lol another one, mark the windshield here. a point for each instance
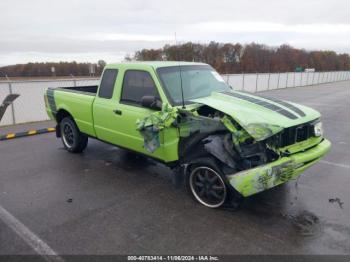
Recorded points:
(197, 81)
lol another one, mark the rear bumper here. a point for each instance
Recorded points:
(252, 181)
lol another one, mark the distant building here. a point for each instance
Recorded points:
(309, 70)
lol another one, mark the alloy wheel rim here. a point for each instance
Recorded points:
(208, 187)
(68, 135)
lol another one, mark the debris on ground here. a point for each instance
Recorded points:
(306, 223)
(336, 200)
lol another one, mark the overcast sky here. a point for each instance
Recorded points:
(87, 30)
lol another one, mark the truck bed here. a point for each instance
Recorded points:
(80, 100)
(84, 89)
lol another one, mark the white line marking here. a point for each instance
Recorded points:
(29, 237)
(334, 164)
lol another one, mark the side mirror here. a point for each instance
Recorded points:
(151, 102)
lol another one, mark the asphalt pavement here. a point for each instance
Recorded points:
(110, 201)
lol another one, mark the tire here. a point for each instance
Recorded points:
(231, 200)
(206, 183)
(73, 140)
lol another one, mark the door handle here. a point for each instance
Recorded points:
(117, 112)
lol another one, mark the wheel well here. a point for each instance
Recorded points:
(191, 147)
(62, 114)
(59, 117)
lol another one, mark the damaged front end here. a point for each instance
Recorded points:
(254, 156)
(252, 181)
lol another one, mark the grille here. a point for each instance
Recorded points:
(295, 134)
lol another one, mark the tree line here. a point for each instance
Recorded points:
(249, 58)
(224, 57)
(53, 69)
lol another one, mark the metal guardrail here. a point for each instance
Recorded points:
(267, 81)
(30, 106)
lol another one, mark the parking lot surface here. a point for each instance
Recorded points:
(110, 201)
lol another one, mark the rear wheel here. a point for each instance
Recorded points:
(73, 140)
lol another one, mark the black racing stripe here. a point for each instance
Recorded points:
(51, 100)
(263, 103)
(286, 104)
(281, 102)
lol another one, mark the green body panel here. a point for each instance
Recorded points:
(95, 116)
(49, 113)
(252, 181)
(79, 106)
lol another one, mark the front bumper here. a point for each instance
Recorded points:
(255, 180)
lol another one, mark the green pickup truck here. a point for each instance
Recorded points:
(223, 144)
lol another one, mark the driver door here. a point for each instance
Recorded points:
(136, 84)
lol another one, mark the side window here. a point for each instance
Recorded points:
(136, 85)
(107, 83)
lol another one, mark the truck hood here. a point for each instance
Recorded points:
(260, 116)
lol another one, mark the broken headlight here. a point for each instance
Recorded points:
(318, 129)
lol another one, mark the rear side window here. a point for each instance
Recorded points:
(136, 85)
(107, 83)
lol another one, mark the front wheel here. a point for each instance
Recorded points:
(206, 182)
(73, 140)
(207, 186)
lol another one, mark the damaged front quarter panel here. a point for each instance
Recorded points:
(187, 122)
(190, 122)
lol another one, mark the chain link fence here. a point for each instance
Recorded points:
(30, 106)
